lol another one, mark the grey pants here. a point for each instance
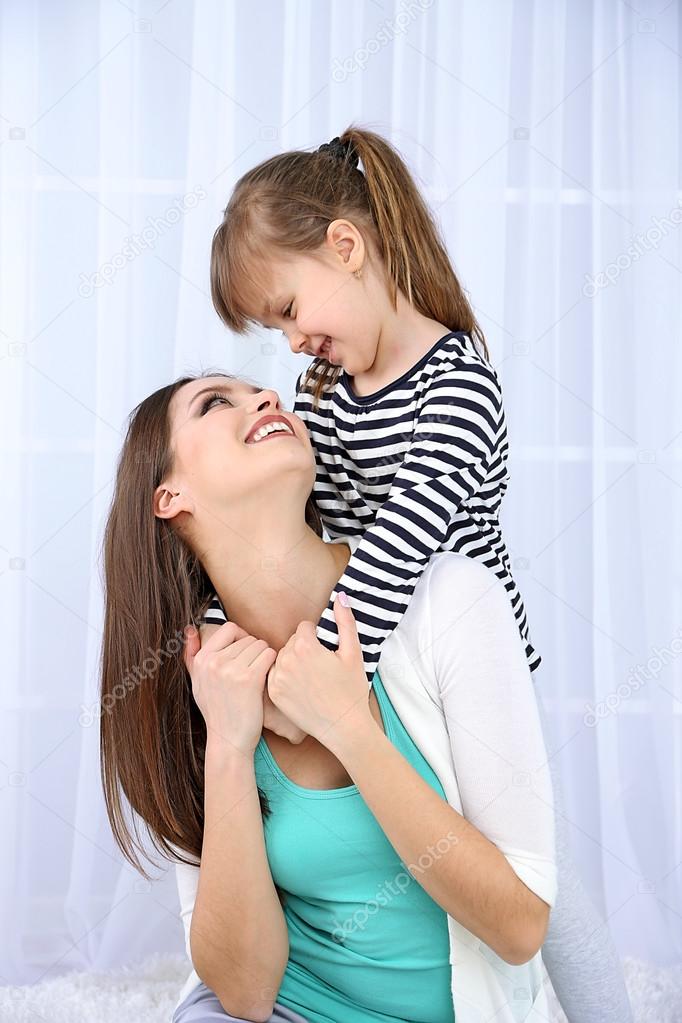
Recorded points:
(202, 1006)
(579, 953)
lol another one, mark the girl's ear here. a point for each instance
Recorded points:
(347, 242)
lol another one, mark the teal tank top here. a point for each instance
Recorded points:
(366, 941)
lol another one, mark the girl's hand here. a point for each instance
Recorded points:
(324, 692)
(228, 678)
(273, 718)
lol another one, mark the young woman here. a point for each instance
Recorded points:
(414, 777)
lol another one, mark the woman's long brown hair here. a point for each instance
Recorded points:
(152, 733)
(284, 206)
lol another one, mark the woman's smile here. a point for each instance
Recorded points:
(269, 426)
(269, 434)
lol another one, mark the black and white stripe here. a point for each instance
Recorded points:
(416, 467)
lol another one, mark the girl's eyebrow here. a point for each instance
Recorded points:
(220, 387)
(269, 306)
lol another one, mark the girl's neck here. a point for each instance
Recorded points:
(404, 339)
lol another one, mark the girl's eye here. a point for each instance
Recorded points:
(210, 398)
(287, 310)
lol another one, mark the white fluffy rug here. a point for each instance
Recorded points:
(147, 994)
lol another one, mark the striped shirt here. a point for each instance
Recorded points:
(418, 466)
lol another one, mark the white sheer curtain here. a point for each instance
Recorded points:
(547, 139)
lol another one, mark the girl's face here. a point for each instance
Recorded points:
(223, 463)
(322, 308)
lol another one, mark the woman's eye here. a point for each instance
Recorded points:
(208, 402)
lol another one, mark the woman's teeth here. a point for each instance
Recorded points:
(268, 429)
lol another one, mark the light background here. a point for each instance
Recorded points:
(546, 137)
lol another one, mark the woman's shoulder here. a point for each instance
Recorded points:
(458, 604)
(452, 579)
(467, 568)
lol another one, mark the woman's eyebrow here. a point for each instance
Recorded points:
(221, 387)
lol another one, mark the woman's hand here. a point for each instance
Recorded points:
(324, 692)
(228, 675)
(276, 721)
(273, 718)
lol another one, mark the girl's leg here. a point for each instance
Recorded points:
(579, 953)
(202, 1006)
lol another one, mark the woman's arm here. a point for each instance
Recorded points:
(471, 879)
(476, 662)
(238, 935)
(497, 874)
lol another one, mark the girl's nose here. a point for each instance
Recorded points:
(297, 342)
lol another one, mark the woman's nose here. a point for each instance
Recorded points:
(267, 397)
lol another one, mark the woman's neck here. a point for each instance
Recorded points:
(268, 590)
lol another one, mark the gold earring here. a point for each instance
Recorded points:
(357, 273)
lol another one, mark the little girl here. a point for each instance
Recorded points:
(406, 417)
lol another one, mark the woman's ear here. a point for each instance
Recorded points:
(169, 503)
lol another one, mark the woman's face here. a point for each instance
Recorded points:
(223, 460)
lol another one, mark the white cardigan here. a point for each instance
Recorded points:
(456, 673)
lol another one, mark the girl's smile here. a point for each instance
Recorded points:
(329, 352)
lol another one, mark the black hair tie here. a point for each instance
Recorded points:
(341, 151)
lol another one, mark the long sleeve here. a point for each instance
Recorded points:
(458, 444)
(187, 881)
(473, 651)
